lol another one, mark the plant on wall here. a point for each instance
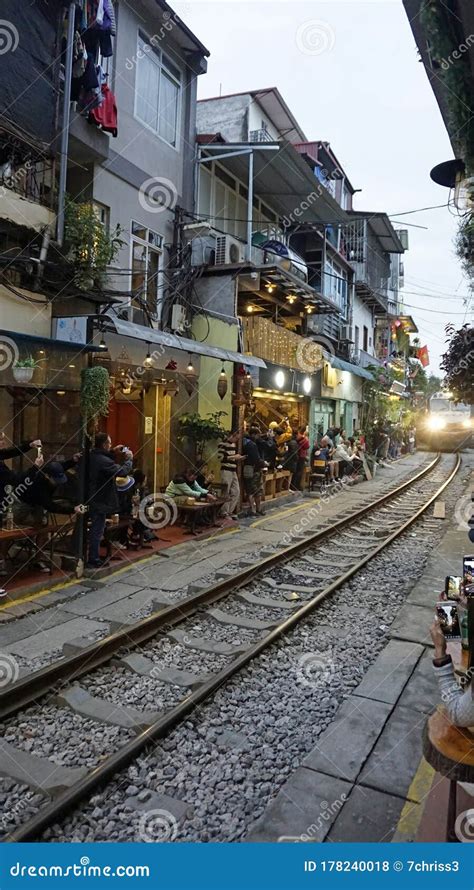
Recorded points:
(90, 247)
(95, 394)
(198, 431)
(465, 244)
(454, 71)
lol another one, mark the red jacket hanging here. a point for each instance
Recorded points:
(105, 115)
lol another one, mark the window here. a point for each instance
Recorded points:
(146, 258)
(356, 337)
(103, 214)
(157, 92)
(366, 339)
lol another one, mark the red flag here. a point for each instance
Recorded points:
(423, 355)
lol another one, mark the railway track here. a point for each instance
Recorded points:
(295, 580)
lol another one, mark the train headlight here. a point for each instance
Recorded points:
(436, 423)
(467, 423)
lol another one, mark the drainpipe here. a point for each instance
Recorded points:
(65, 124)
(248, 251)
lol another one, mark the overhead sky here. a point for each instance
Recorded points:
(349, 72)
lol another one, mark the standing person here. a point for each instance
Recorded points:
(291, 458)
(303, 448)
(252, 472)
(101, 490)
(227, 454)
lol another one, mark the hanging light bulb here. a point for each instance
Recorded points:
(249, 308)
(102, 344)
(147, 363)
(223, 372)
(190, 368)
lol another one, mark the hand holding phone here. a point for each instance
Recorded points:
(448, 618)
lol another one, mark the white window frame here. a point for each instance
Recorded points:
(157, 55)
(144, 242)
(228, 227)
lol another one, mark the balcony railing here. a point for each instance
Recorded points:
(261, 135)
(25, 173)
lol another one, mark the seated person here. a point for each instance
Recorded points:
(324, 451)
(140, 494)
(459, 704)
(185, 485)
(39, 493)
(204, 476)
(349, 463)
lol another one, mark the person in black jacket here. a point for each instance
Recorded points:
(8, 476)
(101, 491)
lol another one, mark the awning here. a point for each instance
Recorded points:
(172, 341)
(341, 365)
(283, 179)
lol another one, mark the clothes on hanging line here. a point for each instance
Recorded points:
(105, 115)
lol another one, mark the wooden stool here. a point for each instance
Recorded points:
(449, 750)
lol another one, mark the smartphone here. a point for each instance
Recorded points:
(447, 614)
(453, 587)
(468, 575)
(40, 451)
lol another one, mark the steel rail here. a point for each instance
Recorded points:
(28, 689)
(120, 759)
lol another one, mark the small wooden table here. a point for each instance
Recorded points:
(449, 750)
(29, 534)
(192, 511)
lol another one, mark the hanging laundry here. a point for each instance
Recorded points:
(105, 115)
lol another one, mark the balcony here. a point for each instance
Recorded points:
(261, 135)
(87, 144)
(27, 182)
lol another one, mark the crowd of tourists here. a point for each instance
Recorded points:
(107, 484)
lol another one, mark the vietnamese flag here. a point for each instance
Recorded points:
(423, 355)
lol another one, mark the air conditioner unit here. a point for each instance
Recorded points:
(345, 333)
(229, 250)
(178, 318)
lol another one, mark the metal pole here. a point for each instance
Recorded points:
(248, 251)
(65, 123)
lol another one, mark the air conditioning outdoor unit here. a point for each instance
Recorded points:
(345, 333)
(178, 318)
(229, 250)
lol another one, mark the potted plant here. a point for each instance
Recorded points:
(198, 431)
(23, 369)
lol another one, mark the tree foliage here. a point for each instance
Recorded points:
(458, 363)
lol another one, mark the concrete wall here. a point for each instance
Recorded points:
(229, 116)
(218, 294)
(363, 316)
